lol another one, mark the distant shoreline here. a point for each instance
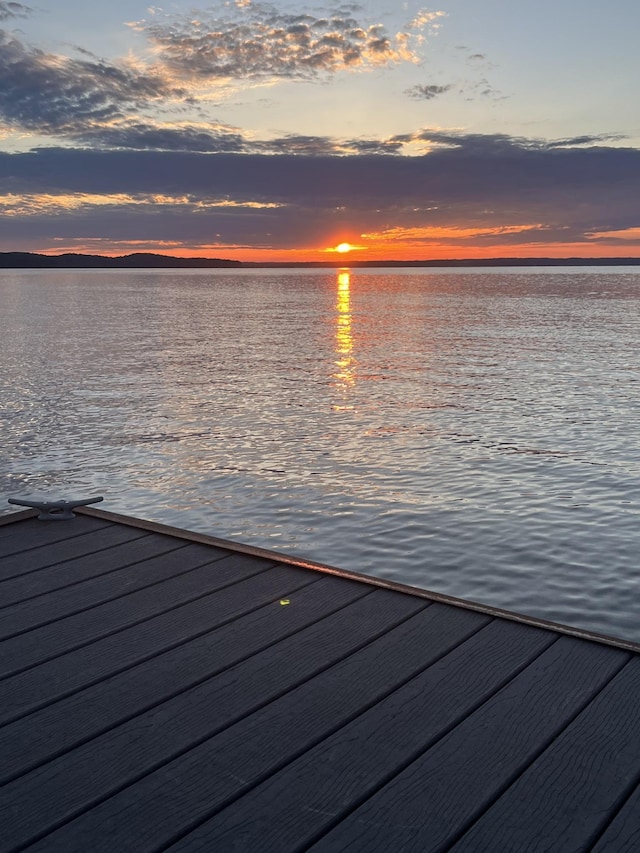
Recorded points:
(142, 260)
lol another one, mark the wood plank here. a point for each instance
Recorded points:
(10, 521)
(38, 803)
(155, 634)
(24, 535)
(63, 567)
(167, 803)
(111, 574)
(290, 809)
(12, 518)
(57, 728)
(623, 833)
(440, 794)
(163, 603)
(50, 556)
(563, 800)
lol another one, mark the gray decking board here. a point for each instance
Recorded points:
(588, 772)
(187, 790)
(35, 534)
(89, 712)
(293, 807)
(98, 559)
(622, 835)
(20, 567)
(72, 569)
(104, 765)
(442, 792)
(172, 702)
(117, 572)
(146, 638)
(182, 605)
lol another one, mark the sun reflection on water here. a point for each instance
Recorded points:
(345, 373)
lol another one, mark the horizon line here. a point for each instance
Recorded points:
(173, 261)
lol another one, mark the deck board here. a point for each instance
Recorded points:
(291, 808)
(141, 641)
(38, 534)
(120, 571)
(161, 690)
(437, 798)
(113, 548)
(119, 757)
(587, 772)
(622, 835)
(102, 706)
(190, 788)
(157, 617)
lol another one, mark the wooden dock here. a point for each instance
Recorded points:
(170, 691)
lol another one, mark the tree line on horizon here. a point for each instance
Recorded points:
(149, 260)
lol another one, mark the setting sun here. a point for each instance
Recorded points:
(343, 248)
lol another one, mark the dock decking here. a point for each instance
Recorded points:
(170, 691)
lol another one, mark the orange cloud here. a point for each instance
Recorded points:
(623, 234)
(420, 236)
(34, 204)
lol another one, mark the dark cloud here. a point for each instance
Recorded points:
(597, 139)
(255, 40)
(315, 146)
(147, 136)
(427, 92)
(13, 10)
(504, 187)
(46, 93)
(213, 138)
(459, 164)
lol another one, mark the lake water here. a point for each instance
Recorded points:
(474, 432)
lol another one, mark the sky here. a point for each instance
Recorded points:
(281, 131)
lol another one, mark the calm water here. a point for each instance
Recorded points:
(472, 432)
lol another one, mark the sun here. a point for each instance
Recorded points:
(343, 248)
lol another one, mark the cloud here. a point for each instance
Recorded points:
(94, 102)
(427, 92)
(85, 100)
(317, 146)
(34, 204)
(255, 41)
(632, 234)
(423, 236)
(153, 136)
(593, 139)
(484, 89)
(13, 10)
(425, 19)
(48, 93)
(215, 137)
(502, 190)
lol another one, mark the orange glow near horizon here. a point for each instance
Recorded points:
(394, 245)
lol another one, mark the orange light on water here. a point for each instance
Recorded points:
(345, 362)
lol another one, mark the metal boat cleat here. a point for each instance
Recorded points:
(55, 510)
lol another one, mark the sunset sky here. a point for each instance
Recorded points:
(277, 131)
